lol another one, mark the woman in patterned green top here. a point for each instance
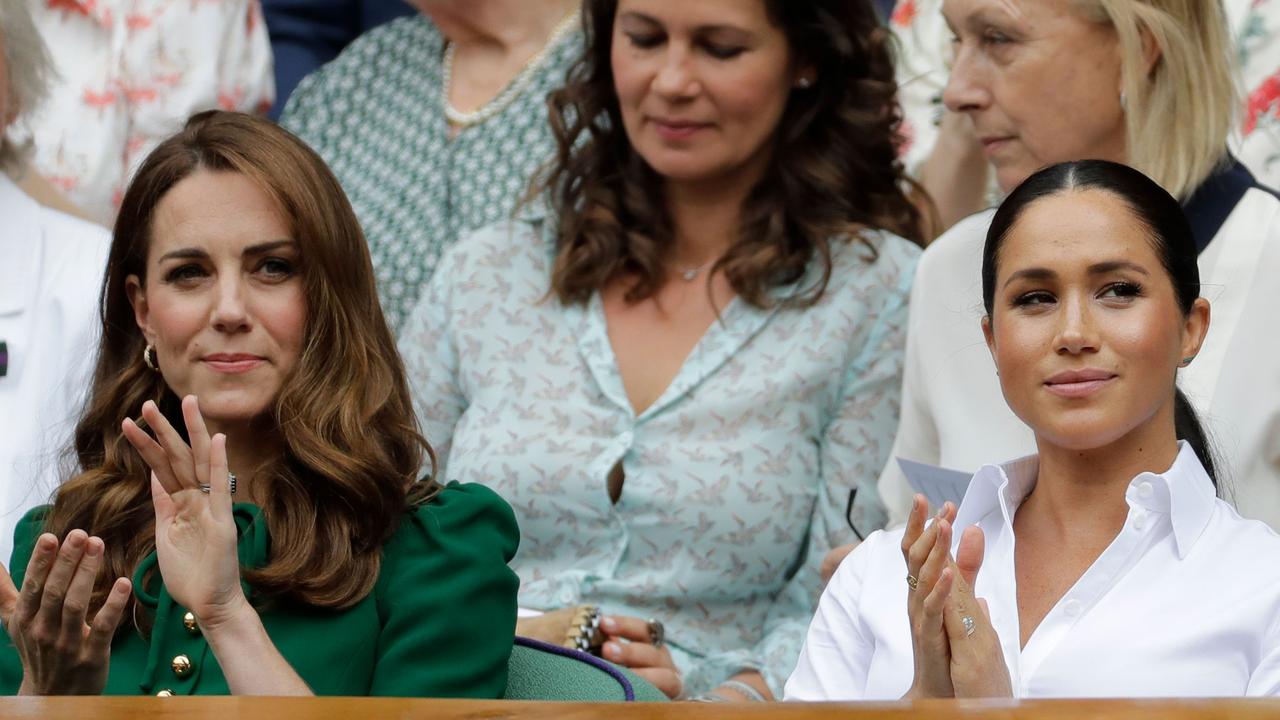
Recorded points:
(434, 125)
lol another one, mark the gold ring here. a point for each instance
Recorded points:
(912, 582)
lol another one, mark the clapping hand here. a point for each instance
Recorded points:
(977, 661)
(195, 531)
(956, 648)
(63, 650)
(927, 551)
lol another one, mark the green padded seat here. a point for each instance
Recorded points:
(539, 671)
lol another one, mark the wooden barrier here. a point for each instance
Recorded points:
(227, 708)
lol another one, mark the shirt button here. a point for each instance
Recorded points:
(189, 622)
(1071, 608)
(626, 438)
(165, 693)
(1145, 490)
(1139, 521)
(182, 666)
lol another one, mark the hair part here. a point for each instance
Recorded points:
(352, 447)
(1180, 114)
(835, 170)
(1168, 231)
(28, 72)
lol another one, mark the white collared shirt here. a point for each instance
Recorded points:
(1184, 602)
(51, 268)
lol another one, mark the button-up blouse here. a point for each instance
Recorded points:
(1184, 602)
(738, 478)
(438, 623)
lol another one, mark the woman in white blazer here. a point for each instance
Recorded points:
(51, 267)
(1143, 82)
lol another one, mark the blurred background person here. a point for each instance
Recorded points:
(680, 367)
(51, 267)
(306, 34)
(945, 155)
(128, 74)
(1143, 82)
(435, 124)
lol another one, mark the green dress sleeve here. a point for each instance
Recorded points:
(447, 599)
(24, 541)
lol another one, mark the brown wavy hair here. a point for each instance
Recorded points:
(835, 168)
(352, 445)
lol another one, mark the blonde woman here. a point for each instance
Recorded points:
(1146, 83)
(948, 160)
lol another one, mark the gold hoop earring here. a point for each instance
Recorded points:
(148, 357)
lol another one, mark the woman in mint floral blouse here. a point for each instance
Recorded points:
(682, 370)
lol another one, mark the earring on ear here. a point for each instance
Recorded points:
(1187, 360)
(804, 83)
(148, 357)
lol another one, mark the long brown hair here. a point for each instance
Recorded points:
(835, 167)
(352, 446)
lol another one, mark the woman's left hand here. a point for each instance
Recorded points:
(629, 644)
(195, 531)
(978, 669)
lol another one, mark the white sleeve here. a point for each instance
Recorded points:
(917, 436)
(837, 650)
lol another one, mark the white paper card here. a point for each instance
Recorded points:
(937, 484)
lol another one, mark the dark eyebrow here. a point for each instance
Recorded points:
(266, 247)
(1031, 274)
(197, 254)
(701, 29)
(1101, 268)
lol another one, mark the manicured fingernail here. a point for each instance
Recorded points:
(609, 624)
(46, 542)
(95, 547)
(75, 538)
(612, 650)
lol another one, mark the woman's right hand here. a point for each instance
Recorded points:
(928, 554)
(62, 652)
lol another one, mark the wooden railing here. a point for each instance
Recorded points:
(226, 708)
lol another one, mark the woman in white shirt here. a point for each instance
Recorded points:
(1022, 78)
(1106, 565)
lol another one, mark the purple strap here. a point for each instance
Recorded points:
(628, 692)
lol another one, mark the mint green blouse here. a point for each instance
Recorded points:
(439, 623)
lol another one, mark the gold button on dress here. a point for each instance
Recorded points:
(189, 622)
(182, 666)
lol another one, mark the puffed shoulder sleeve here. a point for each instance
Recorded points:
(24, 541)
(447, 599)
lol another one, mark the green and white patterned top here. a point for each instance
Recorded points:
(376, 116)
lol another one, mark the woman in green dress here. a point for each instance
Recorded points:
(241, 322)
